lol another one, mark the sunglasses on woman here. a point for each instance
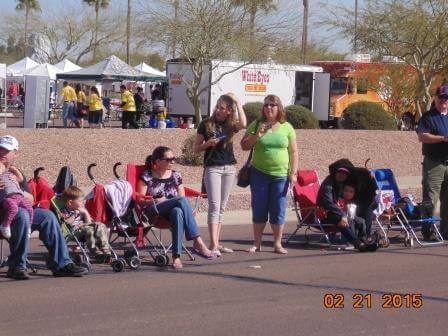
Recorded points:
(270, 105)
(170, 160)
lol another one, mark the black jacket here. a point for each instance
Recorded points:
(330, 191)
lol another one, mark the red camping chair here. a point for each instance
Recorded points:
(309, 215)
(133, 173)
(96, 205)
(41, 190)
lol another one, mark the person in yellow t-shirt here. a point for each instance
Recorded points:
(81, 104)
(129, 109)
(95, 109)
(68, 99)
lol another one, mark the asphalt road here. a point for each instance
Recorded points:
(229, 297)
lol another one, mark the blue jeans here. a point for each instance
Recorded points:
(269, 197)
(178, 211)
(50, 234)
(68, 110)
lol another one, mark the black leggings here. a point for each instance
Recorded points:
(128, 117)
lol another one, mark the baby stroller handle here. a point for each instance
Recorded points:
(89, 171)
(37, 172)
(115, 169)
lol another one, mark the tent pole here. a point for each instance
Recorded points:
(5, 110)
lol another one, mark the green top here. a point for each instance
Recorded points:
(271, 155)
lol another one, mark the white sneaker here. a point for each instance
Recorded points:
(5, 231)
(224, 249)
(216, 252)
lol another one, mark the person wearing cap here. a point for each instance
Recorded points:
(44, 221)
(330, 191)
(129, 109)
(432, 132)
(69, 100)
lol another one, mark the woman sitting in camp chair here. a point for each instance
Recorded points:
(162, 193)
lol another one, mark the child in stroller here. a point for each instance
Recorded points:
(348, 204)
(12, 197)
(94, 233)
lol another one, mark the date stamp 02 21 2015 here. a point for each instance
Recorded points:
(363, 301)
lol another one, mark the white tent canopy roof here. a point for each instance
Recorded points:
(45, 70)
(112, 68)
(19, 67)
(149, 69)
(67, 66)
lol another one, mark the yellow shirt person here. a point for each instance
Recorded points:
(81, 97)
(95, 102)
(127, 101)
(68, 94)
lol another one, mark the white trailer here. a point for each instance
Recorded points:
(295, 84)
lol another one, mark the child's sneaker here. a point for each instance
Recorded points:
(5, 231)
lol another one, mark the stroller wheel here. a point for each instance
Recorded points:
(118, 265)
(409, 242)
(384, 242)
(161, 260)
(134, 263)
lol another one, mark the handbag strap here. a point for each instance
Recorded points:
(249, 158)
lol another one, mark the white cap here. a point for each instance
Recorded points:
(8, 142)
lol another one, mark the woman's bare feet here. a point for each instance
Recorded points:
(177, 264)
(280, 250)
(253, 249)
(202, 250)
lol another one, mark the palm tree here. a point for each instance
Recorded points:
(128, 30)
(253, 7)
(28, 6)
(98, 4)
(305, 30)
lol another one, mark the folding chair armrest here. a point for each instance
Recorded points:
(194, 193)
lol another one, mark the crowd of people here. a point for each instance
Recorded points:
(274, 165)
(79, 104)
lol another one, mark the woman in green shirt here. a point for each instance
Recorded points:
(274, 166)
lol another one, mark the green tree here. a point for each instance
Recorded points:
(28, 6)
(253, 7)
(414, 31)
(98, 4)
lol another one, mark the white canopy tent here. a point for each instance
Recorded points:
(149, 69)
(18, 68)
(67, 66)
(44, 70)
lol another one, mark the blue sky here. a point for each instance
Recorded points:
(340, 45)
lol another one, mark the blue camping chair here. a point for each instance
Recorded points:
(399, 216)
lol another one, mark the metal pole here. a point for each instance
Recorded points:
(305, 30)
(355, 40)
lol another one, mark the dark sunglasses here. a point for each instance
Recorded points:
(270, 105)
(171, 160)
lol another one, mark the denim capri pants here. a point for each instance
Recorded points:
(269, 195)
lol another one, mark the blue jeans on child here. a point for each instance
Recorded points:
(269, 197)
(50, 234)
(180, 214)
